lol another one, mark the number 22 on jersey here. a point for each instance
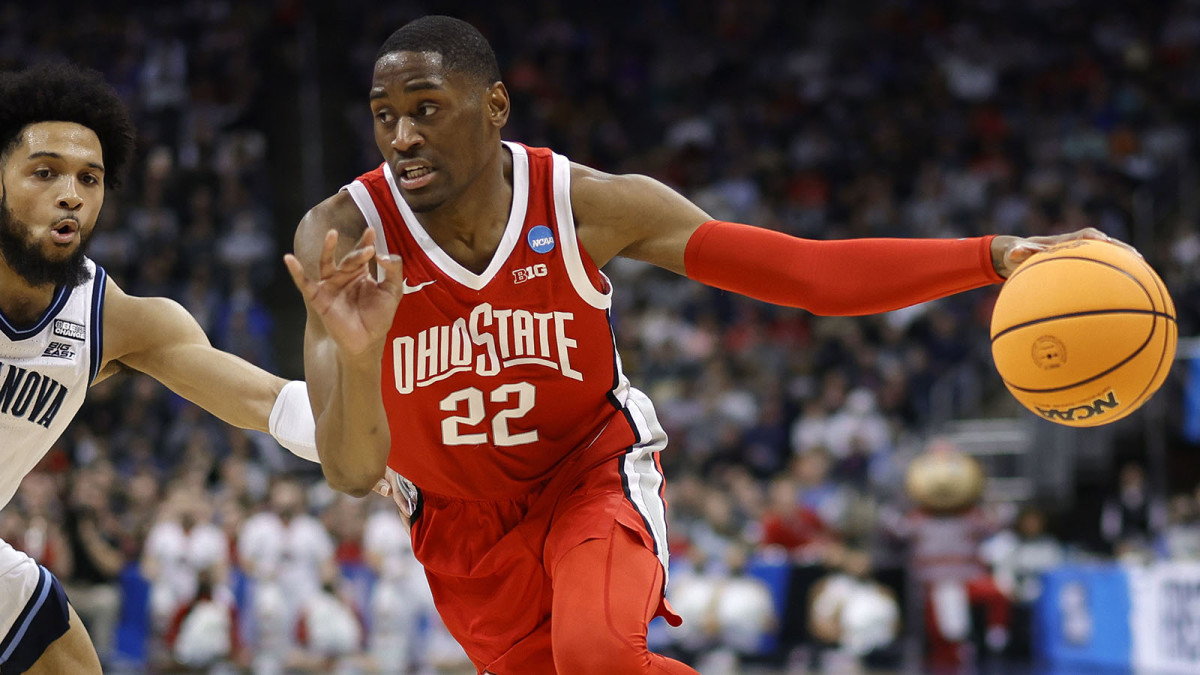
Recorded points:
(456, 429)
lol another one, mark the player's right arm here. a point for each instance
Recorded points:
(639, 217)
(349, 314)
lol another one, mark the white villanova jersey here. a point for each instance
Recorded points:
(45, 370)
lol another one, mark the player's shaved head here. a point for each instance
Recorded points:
(462, 46)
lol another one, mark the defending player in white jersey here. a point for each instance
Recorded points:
(65, 136)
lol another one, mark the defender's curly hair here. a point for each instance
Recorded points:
(59, 92)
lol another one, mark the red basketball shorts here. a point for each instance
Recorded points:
(490, 564)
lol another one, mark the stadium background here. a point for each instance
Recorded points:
(822, 119)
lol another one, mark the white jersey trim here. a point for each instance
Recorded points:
(96, 348)
(366, 205)
(61, 295)
(570, 242)
(642, 479)
(512, 230)
(31, 608)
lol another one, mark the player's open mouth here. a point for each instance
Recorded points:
(64, 231)
(414, 177)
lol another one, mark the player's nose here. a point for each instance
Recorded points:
(69, 198)
(407, 137)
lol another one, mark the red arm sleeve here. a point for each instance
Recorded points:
(840, 277)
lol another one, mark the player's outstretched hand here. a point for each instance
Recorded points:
(357, 309)
(1009, 252)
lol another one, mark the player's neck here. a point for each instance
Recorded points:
(21, 303)
(470, 227)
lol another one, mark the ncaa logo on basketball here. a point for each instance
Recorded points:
(541, 239)
(1081, 412)
(1049, 352)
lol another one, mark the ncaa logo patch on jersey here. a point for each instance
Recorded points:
(541, 239)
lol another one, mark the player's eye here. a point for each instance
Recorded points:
(43, 173)
(384, 117)
(89, 179)
(426, 109)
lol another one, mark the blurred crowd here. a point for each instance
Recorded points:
(186, 544)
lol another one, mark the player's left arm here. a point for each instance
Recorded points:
(638, 217)
(158, 337)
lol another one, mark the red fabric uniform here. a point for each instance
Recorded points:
(508, 408)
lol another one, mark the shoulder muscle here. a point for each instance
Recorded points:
(337, 212)
(632, 215)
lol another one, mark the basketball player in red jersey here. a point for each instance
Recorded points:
(458, 333)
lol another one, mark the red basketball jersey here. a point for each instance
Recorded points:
(492, 380)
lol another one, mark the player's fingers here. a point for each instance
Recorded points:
(367, 239)
(1093, 233)
(393, 274)
(364, 250)
(1085, 233)
(331, 283)
(328, 248)
(1021, 252)
(296, 270)
(383, 487)
(356, 258)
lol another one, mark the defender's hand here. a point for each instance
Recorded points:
(357, 310)
(403, 492)
(1009, 252)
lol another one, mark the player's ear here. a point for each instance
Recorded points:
(498, 104)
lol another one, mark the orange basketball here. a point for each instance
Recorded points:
(1083, 333)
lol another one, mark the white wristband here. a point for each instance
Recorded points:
(292, 424)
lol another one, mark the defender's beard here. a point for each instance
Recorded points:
(27, 260)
